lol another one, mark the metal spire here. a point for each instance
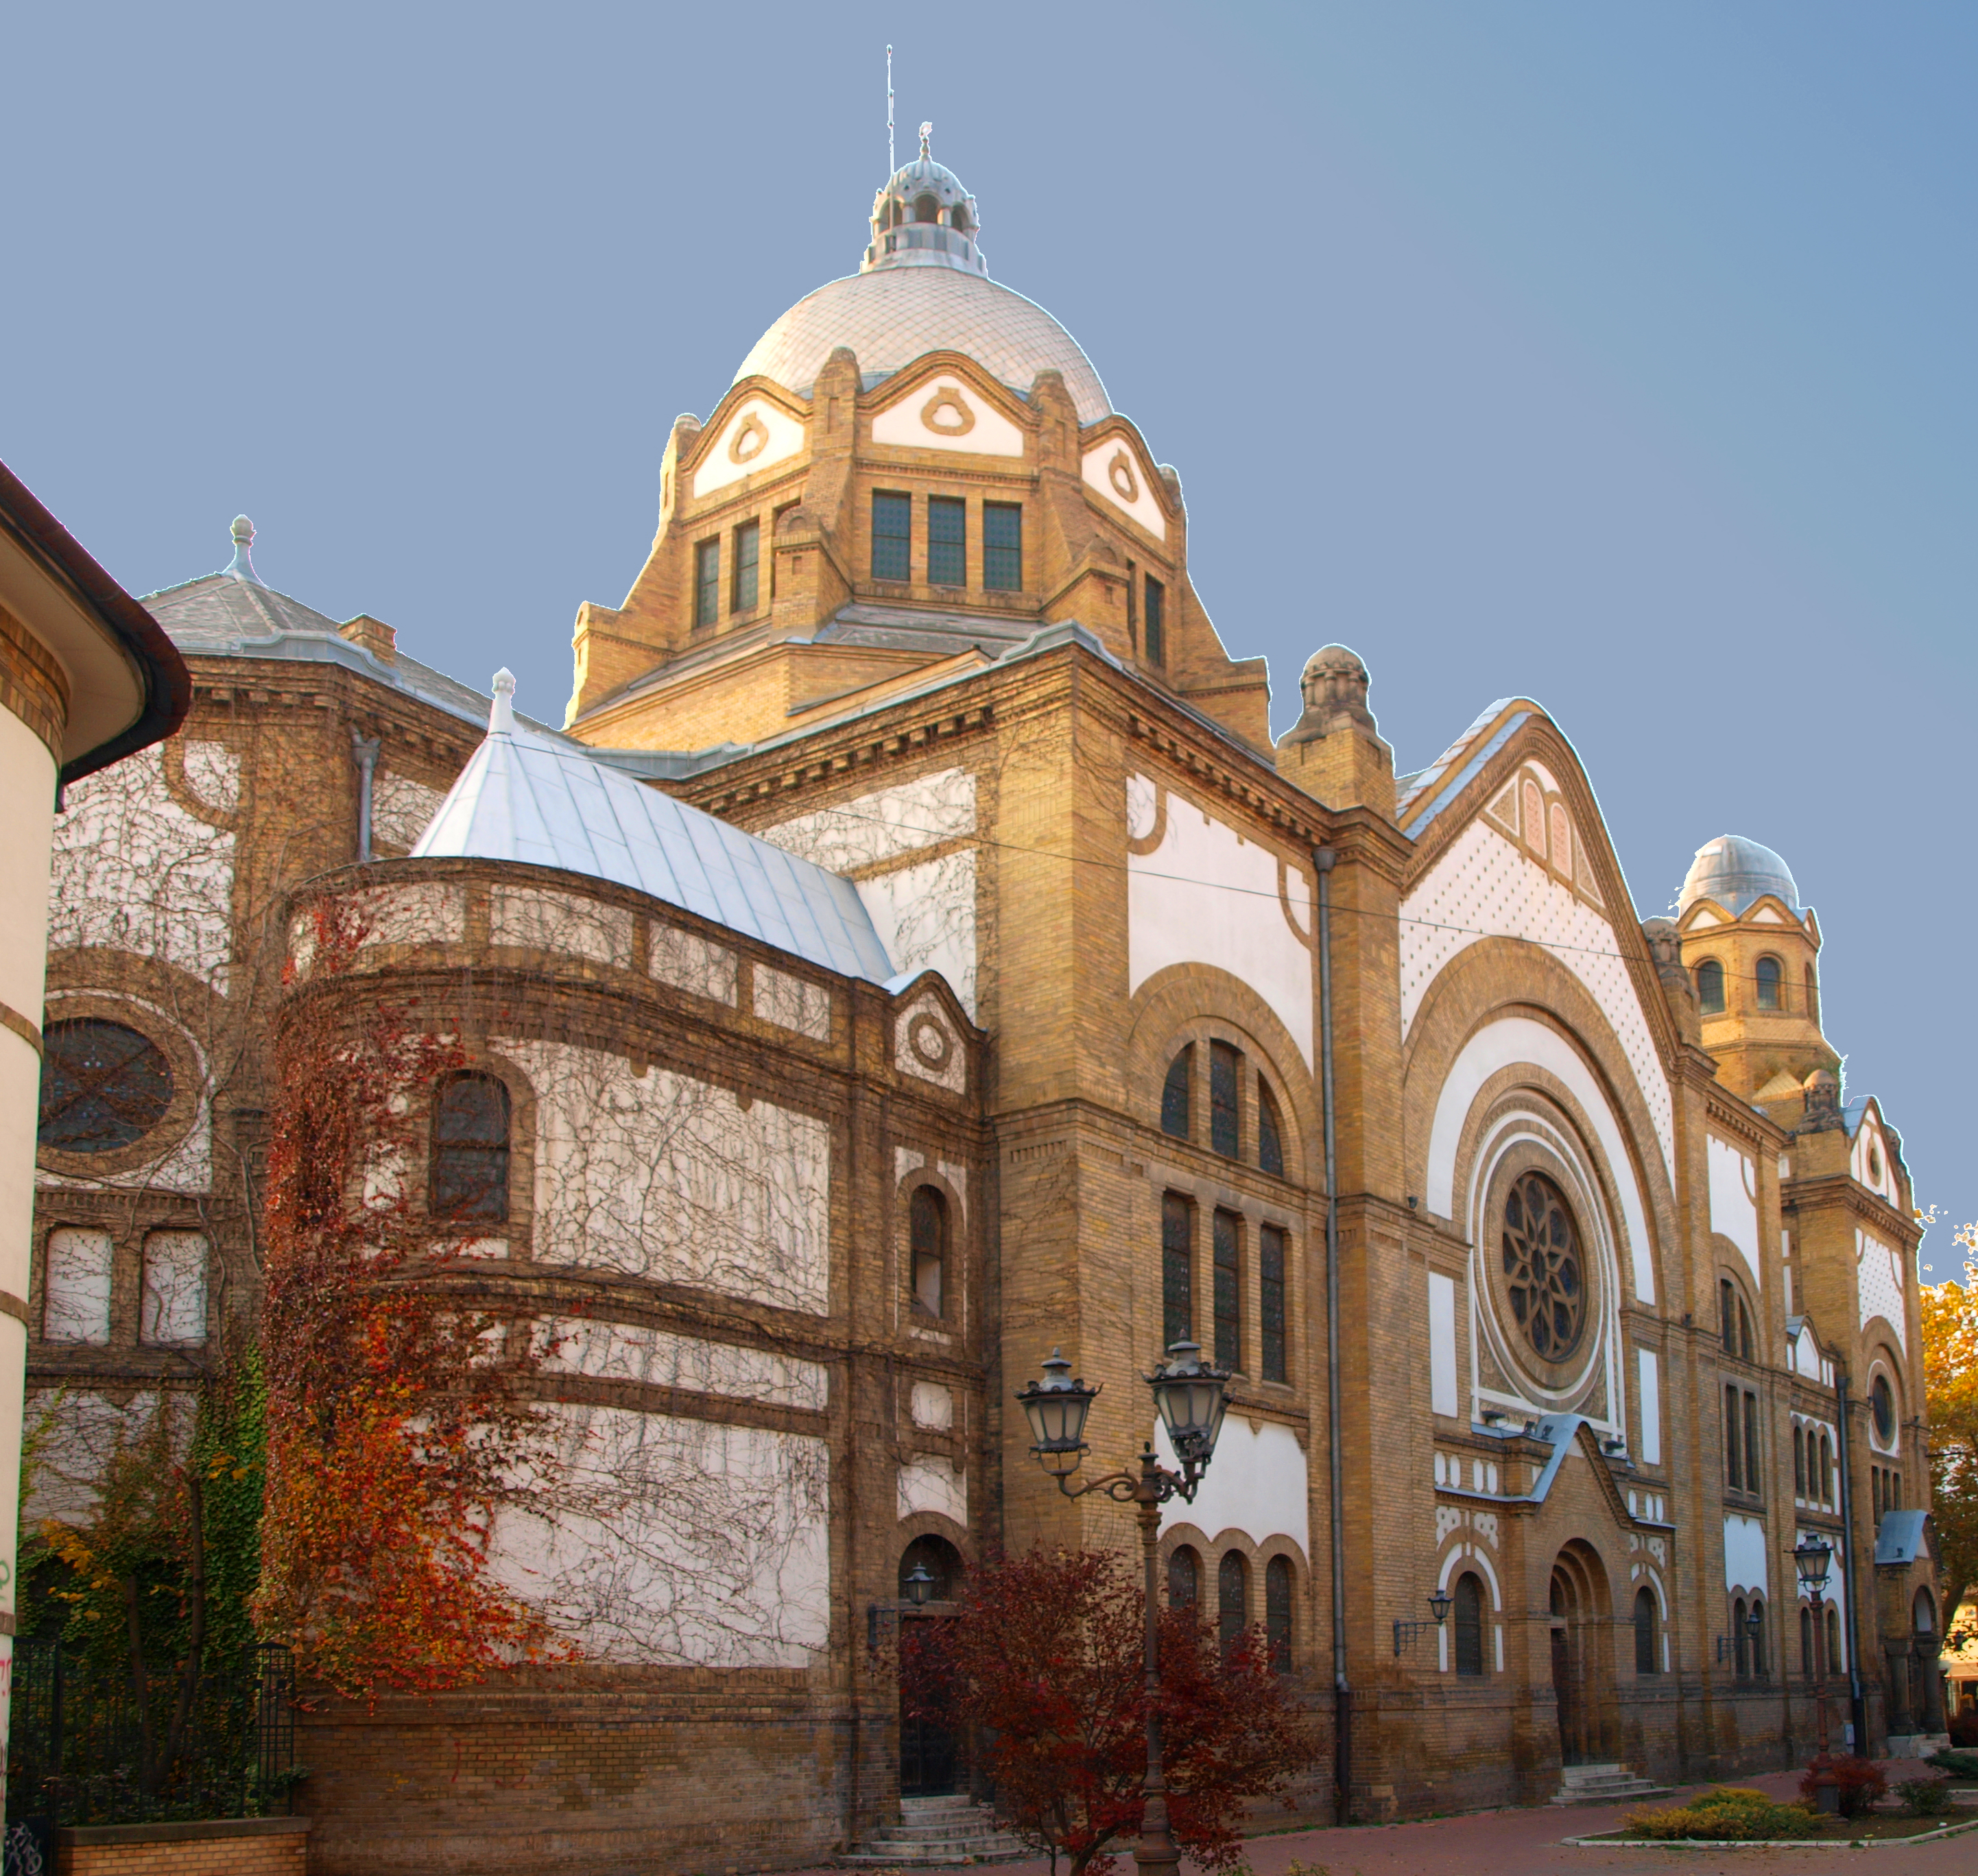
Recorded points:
(891, 164)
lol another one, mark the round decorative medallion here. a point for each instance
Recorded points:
(750, 439)
(1545, 1276)
(946, 415)
(929, 1040)
(1120, 473)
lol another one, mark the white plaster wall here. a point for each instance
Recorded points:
(926, 419)
(1487, 885)
(547, 921)
(401, 810)
(1868, 1136)
(793, 1003)
(1878, 1286)
(133, 871)
(1114, 469)
(729, 460)
(75, 1286)
(1441, 1343)
(936, 1485)
(172, 1303)
(676, 1540)
(665, 1177)
(76, 1431)
(658, 1358)
(1507, 1043)
(1734, 1200)
(924, 913)
(932, 1406)
(1649, 1391)
(1745, 1557)
(1207, 895)
(694, 964)
(1256, 1484)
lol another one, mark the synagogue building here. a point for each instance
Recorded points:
(911, 952)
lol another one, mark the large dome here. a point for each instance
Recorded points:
(892, 316)
(1736, 872)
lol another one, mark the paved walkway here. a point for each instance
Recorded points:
(1528, 1842)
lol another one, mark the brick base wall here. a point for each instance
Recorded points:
(226, 1847)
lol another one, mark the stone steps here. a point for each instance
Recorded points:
(935, 1833)
(1606, 1785)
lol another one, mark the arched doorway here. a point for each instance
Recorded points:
(928, 1759)
(1582, 1673)
(1925, 1665)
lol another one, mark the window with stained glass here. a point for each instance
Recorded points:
(1232, 1587)
(1177, 1269)
(1003, 546)
(1270, 1134)
(470, 1149)
(892, 537)
(1228, 1291)
(1278, 1613)
(1225, 1129)
(1271, 1301)
(1174, 1093)
(1469, 1616)
(948, 541)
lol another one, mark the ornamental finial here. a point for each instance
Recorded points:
(927, 136)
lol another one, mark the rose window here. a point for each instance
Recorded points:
(1545, 1276)
(103, 1086)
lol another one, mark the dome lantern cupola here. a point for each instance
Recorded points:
(923, 217)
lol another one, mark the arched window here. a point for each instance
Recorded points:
(1799, 1461)
(1710, 987)
(1833, 1640)
(941, 1559)
(75, 1285)
(1270, 1135)
(1278, 1612)
(1226, 1124)
(1923, 1613)
(470, 1149)
(926, 209)
(172, 1306)
(1469, 1616)
(1726, 1313)
(1542, 1266)
(1232, 1587)
(1882, 1406)
(103, 1086)
(1646, 1661)
(1739, 1644)
(1174, 1093)
(1184, 1577)
(1826, 1469)
(1743, 1330)
(927, 1233)
(1771, 984)
(1755, 1625)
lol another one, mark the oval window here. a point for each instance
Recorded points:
(103, 1086)
(1882, 1405)
(1544, 1277)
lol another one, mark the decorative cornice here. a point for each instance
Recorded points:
(33, 684)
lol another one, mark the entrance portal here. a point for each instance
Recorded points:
(928, 1759)
(1581, 1671)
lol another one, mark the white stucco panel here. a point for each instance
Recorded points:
(1487, 885)
(1256, 1484)
(533, 919)
(664, 1177)
(947, 414)
(1207, 895)
(1879, 1287)
(932, 1485)
(1734, 1200)
(401, 810)
(676, 1540)
(1508, 1043)
(1744, 1561)
(756, 434)
(658, 1358)
(1114, 469)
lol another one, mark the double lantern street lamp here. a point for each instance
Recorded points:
(1811, 1559)
(1190, 1397)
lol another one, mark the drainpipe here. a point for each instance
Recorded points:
(365, 750)
(1322, 858)
(1858, 1706)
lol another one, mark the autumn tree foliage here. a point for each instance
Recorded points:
(397, 1426)
(1950, 1317)
(1043, 1660)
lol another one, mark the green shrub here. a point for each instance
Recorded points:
(1959, 1765)
(1925, 1797)
(1732, 1814)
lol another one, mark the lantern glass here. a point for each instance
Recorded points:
(1191, 1398)
(919, 1583)
(1056, 1408)
(1812, 1560)
(1438, 1605)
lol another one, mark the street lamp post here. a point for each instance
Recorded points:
(1190, 1397)
(1812, 1559)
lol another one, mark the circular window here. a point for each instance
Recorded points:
(103, 1086)
(1544, 1277)
(1882, 1405)
(1874, 1167)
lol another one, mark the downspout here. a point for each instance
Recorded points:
(365, 750)
(1322, 858)
(1858, 1706)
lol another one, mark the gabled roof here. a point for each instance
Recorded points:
(546, 801)
(1425, 795)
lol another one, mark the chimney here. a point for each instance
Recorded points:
(374, 635)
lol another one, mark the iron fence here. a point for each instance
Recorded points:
(85, 1750)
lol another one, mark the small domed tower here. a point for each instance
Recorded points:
(1752, 951)
(923, 217)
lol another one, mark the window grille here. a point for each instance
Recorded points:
(1469, 1613)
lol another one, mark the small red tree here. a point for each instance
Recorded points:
(1043, 1659)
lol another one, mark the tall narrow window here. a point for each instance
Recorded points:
(1754, 1477)
(775, 522)
(1132, 609)
(706, 584)
(1270, 1300)
(1177, 1269)
(1743, 1331)
(470, 1149)
(1770, 984)
(1812, 995)
(1225, 1132)
(1270, 1136)
(892, 537)
(1003, 546)
(948, 541)
(1233, 1585)
(172, 1311)
(1740, 1645)
(1645, 1632)
(1157, 622)
(1726, 1313)
(927, 1228)
(1799, 1461)
(1228, 1291)
(75, 1286)
(1755, 1624)
(1174, 1093)
(1184, 1577)
(1826, 1469)
(1469, 1613)
(1278, 1613)
(747, 560)
(1834, 1661)
(1710, 987)
(1734, 1474)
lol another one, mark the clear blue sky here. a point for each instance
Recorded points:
(1619, 355)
